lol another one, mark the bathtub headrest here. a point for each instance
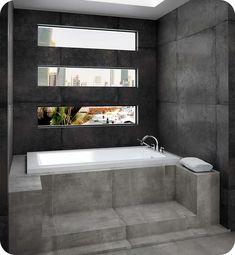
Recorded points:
(196, 164)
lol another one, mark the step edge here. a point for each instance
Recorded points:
(194, 236)
(120, 245)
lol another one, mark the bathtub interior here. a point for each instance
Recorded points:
(52, 162)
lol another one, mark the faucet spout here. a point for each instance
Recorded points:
(154, 146)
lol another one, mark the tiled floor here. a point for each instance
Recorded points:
(215, 245)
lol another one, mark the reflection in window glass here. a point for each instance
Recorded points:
(85, 77)
(89, 115)
(86, 38)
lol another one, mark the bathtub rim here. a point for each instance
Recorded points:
(169, 159)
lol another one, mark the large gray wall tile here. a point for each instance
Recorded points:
(231, 13)
(28, 136)
(4, 55)
(88, 57)
(4, 231)
(85, 138)
(26, 25)
(231, 130)
(195, 16)
(3, 161)
(196, 81)
(222, 63)
(231, 212)
(167, 127)
(167, 28)
(140, 60)
(82, 192)
(89, 96)
(231, 31)
(223, 11)
(82, 20)
(186, 188)
(146, 31)
(142, 186)
(222, 122)
(197, 131)
(166, 73)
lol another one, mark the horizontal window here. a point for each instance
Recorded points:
(87, 115)
(86, 77)
(75, 37)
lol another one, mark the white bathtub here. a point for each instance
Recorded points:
(55, 162)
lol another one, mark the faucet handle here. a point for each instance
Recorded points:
(162, 149)
(153, 146)
(139, 140)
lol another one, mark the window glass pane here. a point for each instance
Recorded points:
(86, 38)
(86, 77)
(86, 115)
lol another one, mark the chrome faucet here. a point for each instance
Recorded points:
(153, 146)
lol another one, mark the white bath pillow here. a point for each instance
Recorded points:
(196, 164)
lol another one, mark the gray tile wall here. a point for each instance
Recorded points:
(194, 88)
(6, 113)
(27, 95)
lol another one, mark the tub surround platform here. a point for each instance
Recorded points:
(103, 211)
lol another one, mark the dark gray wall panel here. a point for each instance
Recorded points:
(195, 16)
(166, 73)
(231, 130)
(196, 81)
(3, 56)
(28, 136)
(3, 161)
(224, 11)
(231, 31)
(197, 130)
(145, 61)
(167, 28)
(222, 122)
(89, 96)
(26, 25)
(82, 20)
(231, 172)
(167, 126)
(146, 31)
(222, 63)
(85, 57)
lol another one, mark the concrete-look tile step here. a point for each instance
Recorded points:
(92, 249)
(97, 249)
(178, 236)
(155, 219)
(84, 228)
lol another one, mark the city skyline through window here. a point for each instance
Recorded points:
(85, 77)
